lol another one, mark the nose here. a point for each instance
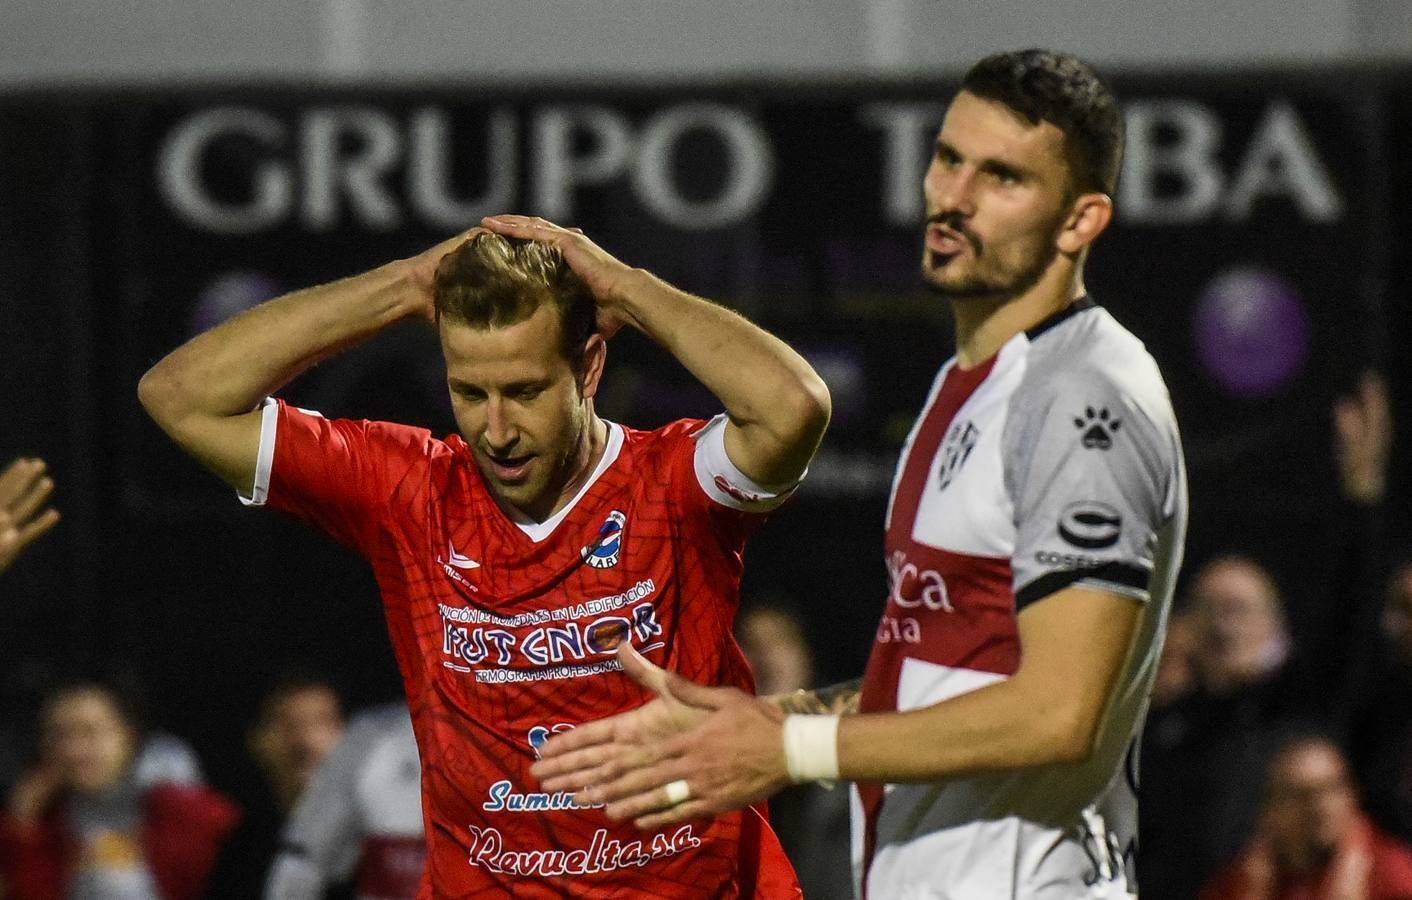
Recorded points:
(500, 430)
(949, 190)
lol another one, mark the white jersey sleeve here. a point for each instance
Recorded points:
(1093, 477)
(724, 483)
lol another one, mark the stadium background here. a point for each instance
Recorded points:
(165, 165)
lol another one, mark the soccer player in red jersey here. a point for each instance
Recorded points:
(516, 556)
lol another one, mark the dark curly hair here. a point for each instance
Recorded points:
(1063, 90)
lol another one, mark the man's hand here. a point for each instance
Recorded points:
(582, 755)
(422, 270)
(724, 745)
(24, 516)
(606, 275)
(1363, 440)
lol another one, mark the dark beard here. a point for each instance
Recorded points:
(981, 289)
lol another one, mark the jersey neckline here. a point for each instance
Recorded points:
(1082, 303)
(539, 531)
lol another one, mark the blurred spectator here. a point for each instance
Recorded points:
(1240, 636)
(357, 830)
(1176, 668)
(1397, 614)
(24, 516)
(161, 757)
(1313, 842)
(82, 825)
(300, 722)
(1204, 752)
(810, 819)
(772, 639)
(1252, 678)
(1380, 736)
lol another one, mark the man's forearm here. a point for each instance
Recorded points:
(204, 393)
(1075, 642)
(226, 371)
(995, 728)
(766, 387)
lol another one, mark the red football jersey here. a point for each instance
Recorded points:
(505, 634)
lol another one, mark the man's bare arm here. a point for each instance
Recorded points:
(777, 404)
(204, 394)
(836, 699)
(1074, 642)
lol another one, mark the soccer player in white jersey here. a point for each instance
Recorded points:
(1033, 537)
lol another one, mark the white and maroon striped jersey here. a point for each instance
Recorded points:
(1055, 463)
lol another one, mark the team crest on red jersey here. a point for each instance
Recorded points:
(541, 733)
(607, 548)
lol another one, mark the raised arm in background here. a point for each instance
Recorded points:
(25, 515)
(1342, 634)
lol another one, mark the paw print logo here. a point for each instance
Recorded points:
(1098, 427)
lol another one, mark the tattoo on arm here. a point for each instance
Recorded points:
(836, 699)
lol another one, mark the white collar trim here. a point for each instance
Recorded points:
(538, 531)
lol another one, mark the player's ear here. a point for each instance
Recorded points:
(1088, 217)
(595, 353)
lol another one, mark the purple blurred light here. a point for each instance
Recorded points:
(1251, 331)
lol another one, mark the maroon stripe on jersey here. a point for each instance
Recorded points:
(956, 389)
(927, 585)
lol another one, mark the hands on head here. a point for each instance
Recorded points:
(606, 276)
(24, 512)
(422, 269)
(725, 745)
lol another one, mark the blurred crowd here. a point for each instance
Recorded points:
(102, 805)
(1276, 760)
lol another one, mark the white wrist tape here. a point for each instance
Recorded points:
(811, 747)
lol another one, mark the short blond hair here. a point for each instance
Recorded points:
(492, 281)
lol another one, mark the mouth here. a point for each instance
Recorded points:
(510, 469)
(946, 242)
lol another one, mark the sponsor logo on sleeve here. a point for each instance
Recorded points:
(1090, 525)
(1098, 427)
(1061, 559)
(738, 494)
